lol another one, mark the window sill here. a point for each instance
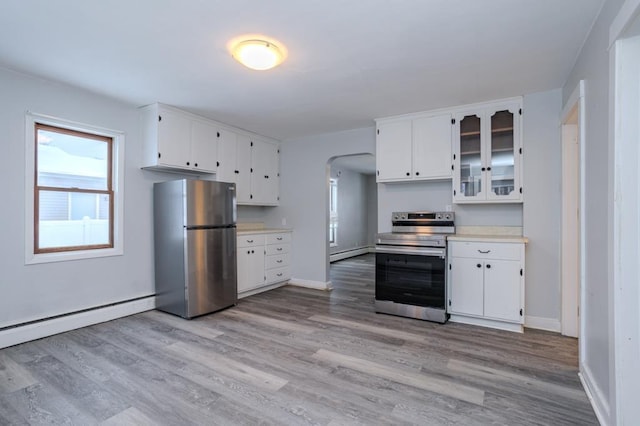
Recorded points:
(34, 259)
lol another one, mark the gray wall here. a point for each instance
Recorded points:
(353, 222)
(31, 292)
(304, 195)
(542, 214)
(592, 65)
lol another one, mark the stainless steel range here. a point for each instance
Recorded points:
(411, 265)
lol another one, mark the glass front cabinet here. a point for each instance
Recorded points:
(487, 157)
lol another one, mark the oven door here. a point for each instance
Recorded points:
(411, 276)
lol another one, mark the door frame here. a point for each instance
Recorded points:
(572, 298)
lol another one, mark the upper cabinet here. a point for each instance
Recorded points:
(176, 140)
(487, 157)
(413, 148)
(253, 164)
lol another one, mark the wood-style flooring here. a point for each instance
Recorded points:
(294, 356)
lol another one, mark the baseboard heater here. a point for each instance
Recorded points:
(36, 329)
(341, 255)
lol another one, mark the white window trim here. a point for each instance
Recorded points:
(333, 214)
(118, 188)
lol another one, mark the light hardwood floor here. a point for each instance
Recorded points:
(294, 356)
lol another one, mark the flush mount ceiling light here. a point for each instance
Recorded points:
(257, 54)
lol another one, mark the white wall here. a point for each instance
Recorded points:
(304, 195)
(592, 65)
(353, 225)
(43, 290)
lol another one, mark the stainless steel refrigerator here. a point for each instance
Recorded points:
(195, 246)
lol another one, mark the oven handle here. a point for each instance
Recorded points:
(413, 250)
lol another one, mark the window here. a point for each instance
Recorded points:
(74, 206)
(333, 211)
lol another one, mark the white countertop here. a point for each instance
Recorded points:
(488, 238)
(248, 231)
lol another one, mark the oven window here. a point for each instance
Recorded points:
(411, 279)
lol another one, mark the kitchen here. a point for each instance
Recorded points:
(303, 176)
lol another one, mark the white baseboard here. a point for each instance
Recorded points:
(261, 289)
(599, 403)
(318, 285)
(540, 323)
(350, 253)
(499, 325)
(40, 329)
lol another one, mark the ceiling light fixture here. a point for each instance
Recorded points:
(258, 54)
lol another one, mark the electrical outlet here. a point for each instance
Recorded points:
(284, 221)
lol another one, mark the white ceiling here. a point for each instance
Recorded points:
(349, 61)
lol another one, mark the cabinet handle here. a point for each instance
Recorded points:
(195, 164)
(279, 249)
(218, 134)
(279, 261)
(417, 173)
(279, 238)
(280, 274)
(483, 169)
(248, 251)
(488, 266)
(252, 251)
(159, 155)
(408, 174)
(479, 265)
(249, 241)
(266, 177)
(187, 163)
(488, 169)
(484, 252)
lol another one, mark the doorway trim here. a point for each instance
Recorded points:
(572, 298)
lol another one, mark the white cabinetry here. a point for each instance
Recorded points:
(487, 154)
(250, 262)
(413, 148)
(175, 140)
(486, 283)
(253, 165)
(263, 261)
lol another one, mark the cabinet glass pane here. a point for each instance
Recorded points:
(470, 166)
(502, 155)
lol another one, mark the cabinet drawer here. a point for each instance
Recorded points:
(277, 249)
(279, 238)
(278, 274)
(479, 250)
(277, 261)
(250, 240)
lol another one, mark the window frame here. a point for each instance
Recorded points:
(34, 254)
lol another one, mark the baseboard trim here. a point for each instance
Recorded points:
(318, 285)
(349, 253)
(598, 402)
(540, 323)
(37, 330)
(484, 322)
(261, 289)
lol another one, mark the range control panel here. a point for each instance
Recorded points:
(424, 217)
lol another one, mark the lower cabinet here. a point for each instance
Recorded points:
(486, 283)
(263, 261)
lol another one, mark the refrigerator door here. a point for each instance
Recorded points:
(211, 282)
(210, 203)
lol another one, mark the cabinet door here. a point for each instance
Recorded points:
(469, 168)
(432, 147)
(466, 286)
(204, 146)
(503, 153)
(226, 157)
(393, 151)
(502, 284)
(243, 169)
(264, 178)
(250, 268)
(174, 134)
